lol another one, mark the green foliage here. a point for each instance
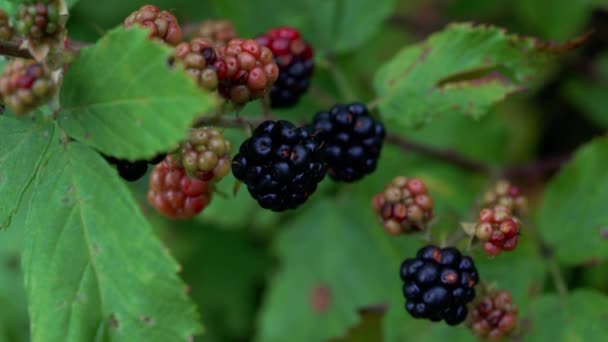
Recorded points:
(579, 317)
(90, 273)
(137, 93)
(573, 217)
(87, 245)
(23, 145)
(462, 70)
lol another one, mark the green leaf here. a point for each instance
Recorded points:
(589, 95)
(334, 260)
(13, 316)
(93, 268)
(462, 70)
(331, 26)
(217, 261)
(24, 143)
(7, 6)
(120, 97)
(573, 217)
(369, 327)
(582, 316)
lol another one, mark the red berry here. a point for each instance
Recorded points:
(507, 195)
(25, 85)
(498, 229)
(493, 315)
(162, 24)
(172, 193)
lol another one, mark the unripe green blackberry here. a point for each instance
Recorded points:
(404, 206)
(493, 316)
(507, 195)
(220, 32)
(201, 61)
(6, 27)
(206, 154)
(162, 24)
(250, 70)
(25, 85)
(38, 20)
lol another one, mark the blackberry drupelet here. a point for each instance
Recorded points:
(438, 284)
(280, 164)
(352, 141)
(294, 56)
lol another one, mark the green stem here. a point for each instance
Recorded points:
(558, 278)
(346, 90)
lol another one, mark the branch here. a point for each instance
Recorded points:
(11, 49)
(447, 155)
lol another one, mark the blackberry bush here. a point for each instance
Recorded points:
(280, 164)
(438, 284)
(352, 141)
(388, 98)
(296, 64)
(404, 206)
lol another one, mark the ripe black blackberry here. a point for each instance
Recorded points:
(352, 141)
(294, 56)
(438, 284)
(280, 164)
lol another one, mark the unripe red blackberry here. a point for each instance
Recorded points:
(206, 154)
(172, 193)
(250, 70)
(498, 229)
(294, 56)
(162, 24)
(201, 61)
(25, 85)
(507, 195)
(6, 27)
(220, 32)
(404, 206)
(38, 20)
(438, 284)
(493, 316)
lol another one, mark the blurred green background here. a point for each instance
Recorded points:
(241, 263)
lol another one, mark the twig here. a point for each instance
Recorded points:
(447, 155)
(11, 49)
(230, 122)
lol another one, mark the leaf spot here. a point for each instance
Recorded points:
(149, 321)
(113, 321)
(603, 231)
(320, 298)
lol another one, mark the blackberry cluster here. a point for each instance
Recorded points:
(294, 57)
(352, 141)
(206, 154)
(25, 85)
(162, 24)
(498, 229)
(494, 316)
(404, 206)
(220, 32)
(172, 193)
(250, 71)
(280, 164)
(38, 19)
(507, 195)
(438, 284)
(132, 171)
(6, 28)
(201, 61)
